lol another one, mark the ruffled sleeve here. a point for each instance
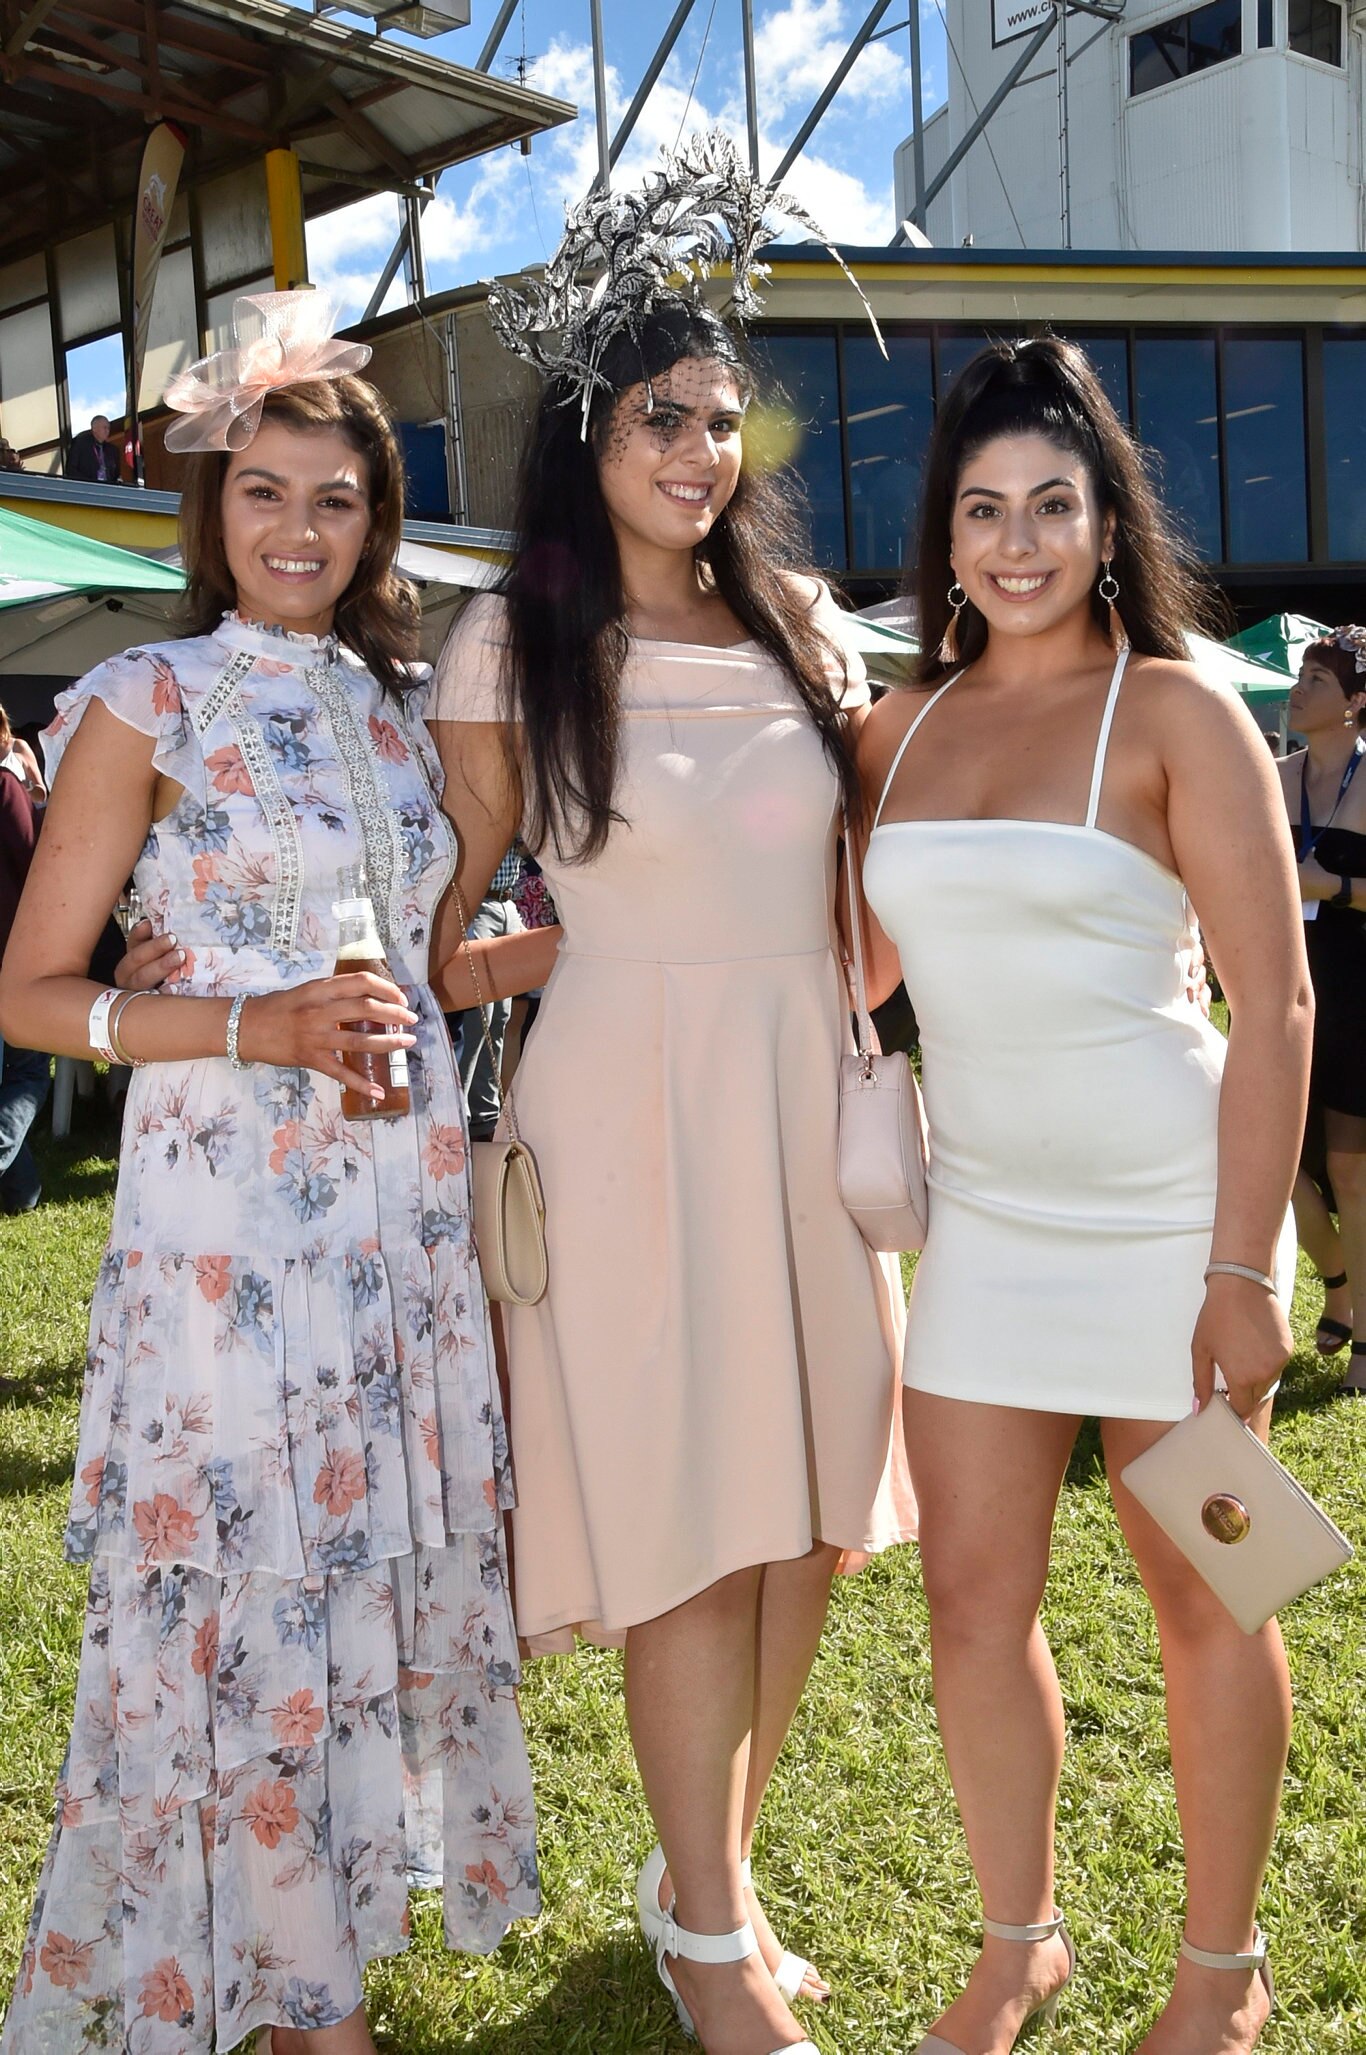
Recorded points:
(141, 689)
(469, 671)
(852, 688)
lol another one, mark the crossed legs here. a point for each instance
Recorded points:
(988, 1478)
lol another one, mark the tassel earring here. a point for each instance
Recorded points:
(948, 648)
(1109, 592)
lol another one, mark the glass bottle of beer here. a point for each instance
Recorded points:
(359, 948)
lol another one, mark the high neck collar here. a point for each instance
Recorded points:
(236, 632)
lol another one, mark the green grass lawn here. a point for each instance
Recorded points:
(861, 1863)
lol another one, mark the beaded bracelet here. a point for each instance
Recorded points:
(1240, 1270)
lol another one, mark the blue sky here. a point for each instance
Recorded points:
(504, 211)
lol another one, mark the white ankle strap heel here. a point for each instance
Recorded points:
(1255, 1959)
(792, 1969)
(736, 1946)
(1041, 1930)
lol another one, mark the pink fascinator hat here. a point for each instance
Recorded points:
(279, 339)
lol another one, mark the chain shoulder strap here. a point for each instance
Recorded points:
(506, 1108)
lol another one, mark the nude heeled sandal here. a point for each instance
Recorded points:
(733, 1947)
(790, 1974)
(1254, 1959)
(1047, 2013)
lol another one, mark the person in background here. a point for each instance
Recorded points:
(17, 755)
(94, 455)
(1326, 800)
(10, 460)
(24, 1073)
(480, 1070)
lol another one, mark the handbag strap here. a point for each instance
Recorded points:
(506, 1109)
(863, 1019)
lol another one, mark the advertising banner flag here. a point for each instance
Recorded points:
(1012, 18)
(161, 161)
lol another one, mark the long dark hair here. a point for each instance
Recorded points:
(1047, 386)
(566, 643)
(378, 615)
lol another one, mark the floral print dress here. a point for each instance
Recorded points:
(297, 1679)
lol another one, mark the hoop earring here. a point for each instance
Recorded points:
(948, 648)
(1109, 592)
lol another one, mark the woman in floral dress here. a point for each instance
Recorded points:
(298, 1670)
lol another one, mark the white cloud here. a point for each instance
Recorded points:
(798, 47)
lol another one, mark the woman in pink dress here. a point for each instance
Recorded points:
(704, 1406)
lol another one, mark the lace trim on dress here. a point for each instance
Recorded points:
(378, 820)
(225, 700)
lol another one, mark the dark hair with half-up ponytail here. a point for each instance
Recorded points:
(1047, 386)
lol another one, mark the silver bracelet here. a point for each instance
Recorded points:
(234, 1029)
(115, 1038)
(1241, 1270)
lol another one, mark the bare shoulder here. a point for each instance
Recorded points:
(1189, 707)
(814, 594)
(885, 724)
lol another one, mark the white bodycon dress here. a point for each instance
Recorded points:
(1072, 1089)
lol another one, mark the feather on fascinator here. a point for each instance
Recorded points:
(624, 255)
(279, 339)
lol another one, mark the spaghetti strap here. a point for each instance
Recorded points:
(1103, 741)
(932, 701)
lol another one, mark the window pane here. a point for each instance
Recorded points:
(1344, 438)
(1316, 30)
(28, 385)
(1109, 355)
(889, 408)
(1216, 33)
(954, 352)
(1264, 450)
(1266, 24)
(1179, 427)
(800, 389)
(1157, 56)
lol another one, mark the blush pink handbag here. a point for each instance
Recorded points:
(883, 1139)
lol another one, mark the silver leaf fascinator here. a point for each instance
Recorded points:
(625, 255)
(279, 339)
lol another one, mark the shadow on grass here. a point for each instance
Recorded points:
(23, 1476)
(40, 1386)
(606, 1998)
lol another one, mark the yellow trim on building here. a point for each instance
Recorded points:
(114, 524)
(1190, 275)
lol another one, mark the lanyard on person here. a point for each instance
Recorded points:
(1310, 836)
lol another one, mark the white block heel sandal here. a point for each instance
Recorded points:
(733, 1947)
(792, 1969)
(1047, 2013)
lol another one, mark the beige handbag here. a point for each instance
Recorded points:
(509, 1206)
(883, 1140)
(1236, 1514)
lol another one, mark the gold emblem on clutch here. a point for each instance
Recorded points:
(1225, 1517)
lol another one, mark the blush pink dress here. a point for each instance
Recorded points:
(711, 1381)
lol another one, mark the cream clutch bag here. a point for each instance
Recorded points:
(1236, 1514)
(883, 1142)
(509, 1221)
(509, 1205)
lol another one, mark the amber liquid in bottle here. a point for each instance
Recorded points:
(360, 948)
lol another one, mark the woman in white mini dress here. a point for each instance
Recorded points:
(1046, 817)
